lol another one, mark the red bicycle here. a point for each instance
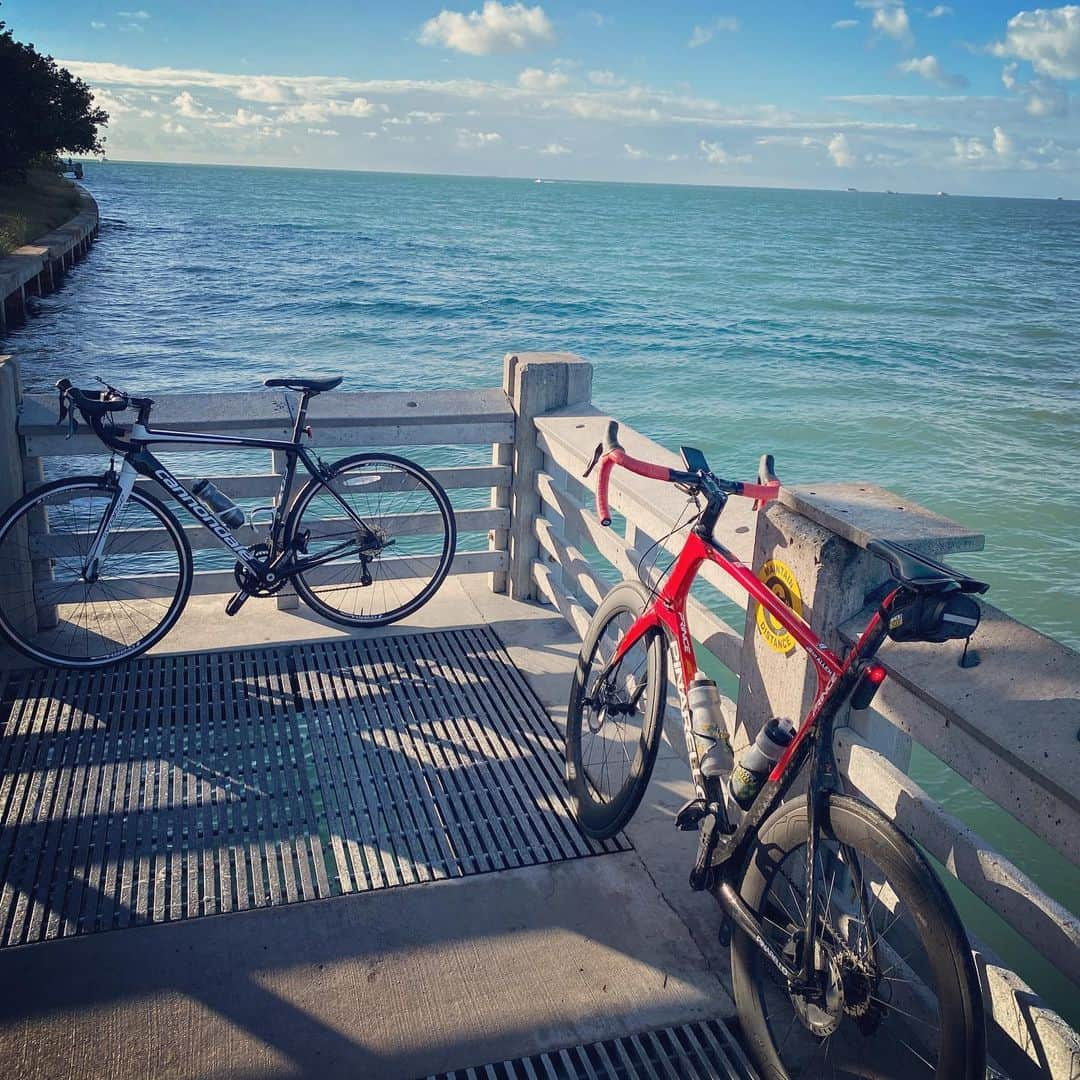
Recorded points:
(848, 958)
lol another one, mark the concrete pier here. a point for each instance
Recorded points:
(425, 906)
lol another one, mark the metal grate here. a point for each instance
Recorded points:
(174, 787)
(702, 1051)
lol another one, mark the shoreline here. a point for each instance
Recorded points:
(38, 268)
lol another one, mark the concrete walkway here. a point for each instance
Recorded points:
(393, 982)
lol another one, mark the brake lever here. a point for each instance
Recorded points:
(598, 453)
(66, 412)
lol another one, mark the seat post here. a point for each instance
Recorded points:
(301, 415)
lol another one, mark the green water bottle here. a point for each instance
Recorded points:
(757, 760)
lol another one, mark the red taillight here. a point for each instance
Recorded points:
(872, 676)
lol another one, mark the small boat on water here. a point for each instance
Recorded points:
(943, 194)
(853, 189)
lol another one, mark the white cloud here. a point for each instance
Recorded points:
(702, 35)
(939, 11)
(605, 78)
(1042, 97)
(415, 116)
(95, 25)
(266, 90)
(536, 79)
(929, 68)
(323, 131)
(634, 152)
(186, 105)
(715, 154)
(141, 15)
(555, 149)
(893, 21)
(172, 127)
(786, 140)
(999, 153)
(318, 112)
(845, 24)
(495, 28)
(243, 118)
(1048, 38)
(475, 140)
(840, 151)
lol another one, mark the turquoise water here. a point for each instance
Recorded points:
(931, 345)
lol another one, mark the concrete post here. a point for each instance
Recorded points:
(814, 541)
(20, 606)
(536, 383)
(831, 578)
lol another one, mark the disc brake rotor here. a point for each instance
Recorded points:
(821, 1016)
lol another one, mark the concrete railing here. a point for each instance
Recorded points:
(1008, 725)
(37, 269)
(442, 418)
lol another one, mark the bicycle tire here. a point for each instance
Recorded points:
(319, 596)
(961, 1040)
(601, 818)
(58, 645)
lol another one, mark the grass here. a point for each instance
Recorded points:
(29, 210)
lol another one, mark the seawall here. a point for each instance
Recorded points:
(37, 269)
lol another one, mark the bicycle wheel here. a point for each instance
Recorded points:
(901, 995)
(60, 611)
(389, 572)
(613, 722)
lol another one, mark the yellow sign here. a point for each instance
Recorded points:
(779, 580)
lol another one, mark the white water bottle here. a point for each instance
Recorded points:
(715, 758)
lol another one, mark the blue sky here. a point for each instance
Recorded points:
(876, 94)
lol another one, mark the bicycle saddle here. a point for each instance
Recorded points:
(918, 572)
(309, 386)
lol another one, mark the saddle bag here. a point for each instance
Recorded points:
(935, 616)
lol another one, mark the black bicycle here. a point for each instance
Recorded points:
(94, 569)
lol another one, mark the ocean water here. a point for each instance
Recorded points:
(931, 345)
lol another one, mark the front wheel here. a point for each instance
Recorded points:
(60, 606)
(383, 534)
(898, 993)
(613, 722)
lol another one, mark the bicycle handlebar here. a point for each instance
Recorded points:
(611, 453)
(96, 404)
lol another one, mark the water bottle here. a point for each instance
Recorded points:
(707, 723)
(757, 761)
(220, 503)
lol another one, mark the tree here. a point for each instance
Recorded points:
(44, 109)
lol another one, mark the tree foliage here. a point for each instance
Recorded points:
(44, 109)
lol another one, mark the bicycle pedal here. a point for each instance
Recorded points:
(236, 602)
(691, 813)
(724, 933)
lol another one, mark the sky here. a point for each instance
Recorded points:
(978, 98)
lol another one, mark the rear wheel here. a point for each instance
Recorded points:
(390, 566)
(60, 610)
(899, 992)
(613, 723)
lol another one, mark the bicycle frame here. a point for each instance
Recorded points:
(139, 461)
(835, 679)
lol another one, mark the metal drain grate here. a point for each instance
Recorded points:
(702, 1051)
(174, 787)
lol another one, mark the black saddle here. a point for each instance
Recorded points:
(308, 386)
(920, 573)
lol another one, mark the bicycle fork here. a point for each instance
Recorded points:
(124, 485)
